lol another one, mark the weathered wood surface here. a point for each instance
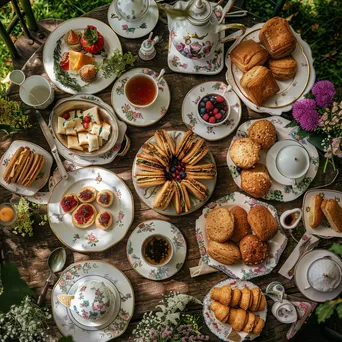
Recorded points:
(30, 254)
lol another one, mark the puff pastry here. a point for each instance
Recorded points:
(283, 69)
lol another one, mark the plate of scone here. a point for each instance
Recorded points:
(90, 211)
(240, 236)
(247, 159)
(235, 307)
(174, 172)
(269, 68)
(322, 212)
(25, 168)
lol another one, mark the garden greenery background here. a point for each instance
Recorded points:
(318, 21)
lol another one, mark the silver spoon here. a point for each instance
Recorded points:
(56, 262)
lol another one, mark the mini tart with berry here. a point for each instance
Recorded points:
(105, 198)
(84, 215)
(69, 203)
(104, 220)
(88, 73)
(73, 40)
(87, 194)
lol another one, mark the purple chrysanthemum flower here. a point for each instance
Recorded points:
(309, 120)
(303, 107)
(324, 92)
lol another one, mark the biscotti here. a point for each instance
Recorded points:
(333, 213)
(316, 214)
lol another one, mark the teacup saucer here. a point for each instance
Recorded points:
(133, 29)
(109, 316)
(301, 273)
(140, 117)
(271, 161)
(190, 115)
(134, 244)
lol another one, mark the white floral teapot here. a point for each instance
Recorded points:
(196, 34)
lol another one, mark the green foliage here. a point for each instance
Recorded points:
(336, 248)
(66, 339)
(14, 288)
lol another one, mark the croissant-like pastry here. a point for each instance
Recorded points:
(236, 297)
(259, 325)
(263, 303)
(256, 299)
(246, 298)
(222, 294)
(251, 319)
(221, 311)
(237, 319)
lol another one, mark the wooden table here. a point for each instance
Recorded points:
(30, 254)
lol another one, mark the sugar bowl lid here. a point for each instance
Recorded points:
(200, 11)
(324, 274)
(131, 9)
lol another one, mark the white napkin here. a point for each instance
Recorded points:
(201, 269)
(288, 264)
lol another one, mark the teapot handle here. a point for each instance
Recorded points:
(226, 9)
(238, 27)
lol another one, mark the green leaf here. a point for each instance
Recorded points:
(91, 36)
(339, 310)
(309, 96)
(336, 248)
(292, 123)
(325, 310)
(66, 339)
(15, 289)
(316, 140)
(302, 133)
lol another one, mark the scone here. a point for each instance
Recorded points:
(226, 252)
(283, 69)
(262, 222)
(104, 220)
(256, 182)
(316, 215)
(248, 54)
(241, 225)
(105, 198)
(87, 194)
(263, 133)
(219, 224)
(259, 84)
(244, 153)
(84, 215)
(277, 37)
(253, 250)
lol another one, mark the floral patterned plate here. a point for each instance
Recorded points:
(279, 192)
(137, 28)
(147, 195)
(290, 90)
(190, 115)
(43, 176)
(91, 239)
(222, 330)
(134, 244)
(324, 229)
(106, 158)
(111, 276)
(240, 270)
(140, 117)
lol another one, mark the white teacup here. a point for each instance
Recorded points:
(130, 10)
(284, 311)
(36, 92)
(293, 162)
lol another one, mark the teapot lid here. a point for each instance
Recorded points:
(200, 11)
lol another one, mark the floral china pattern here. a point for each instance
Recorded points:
(134, 254)
(242, 271)
(222, 330)
(75, 273)
(278, 192)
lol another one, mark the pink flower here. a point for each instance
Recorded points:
(91, 237)
(337, 147)
(305, 113)
(180, 47)
(124, 27)
(324, 92)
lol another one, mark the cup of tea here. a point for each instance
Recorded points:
(17, 77)
(142, 90)
(36, 92)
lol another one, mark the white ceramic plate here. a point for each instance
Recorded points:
(279, 192)
(79, 24)
(91, 239)
(92, 160)
(290, 90)
(110, 275)
(222, 330)
(240, 270)
(147, 195)
(301, 273)
(324, 228)
(190, 114)
(134, 245)
(140, 117)
(136, 28)
(43, 176)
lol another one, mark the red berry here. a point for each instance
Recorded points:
(216, 110)
(182, 165)
(209, 105)
(205, 117)
(212, 119)
(225, 108)
(177, 172)
(220, 98)
(218, 116)
(178, 178)
(66, 116)
(87, 119)
(86, 125)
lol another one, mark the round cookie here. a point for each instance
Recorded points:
(244, 153)
(253, 250)
(241, 225)
(219, 224)
(263, 133)
(226, 253)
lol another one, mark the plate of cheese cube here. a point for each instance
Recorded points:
(84, 128)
